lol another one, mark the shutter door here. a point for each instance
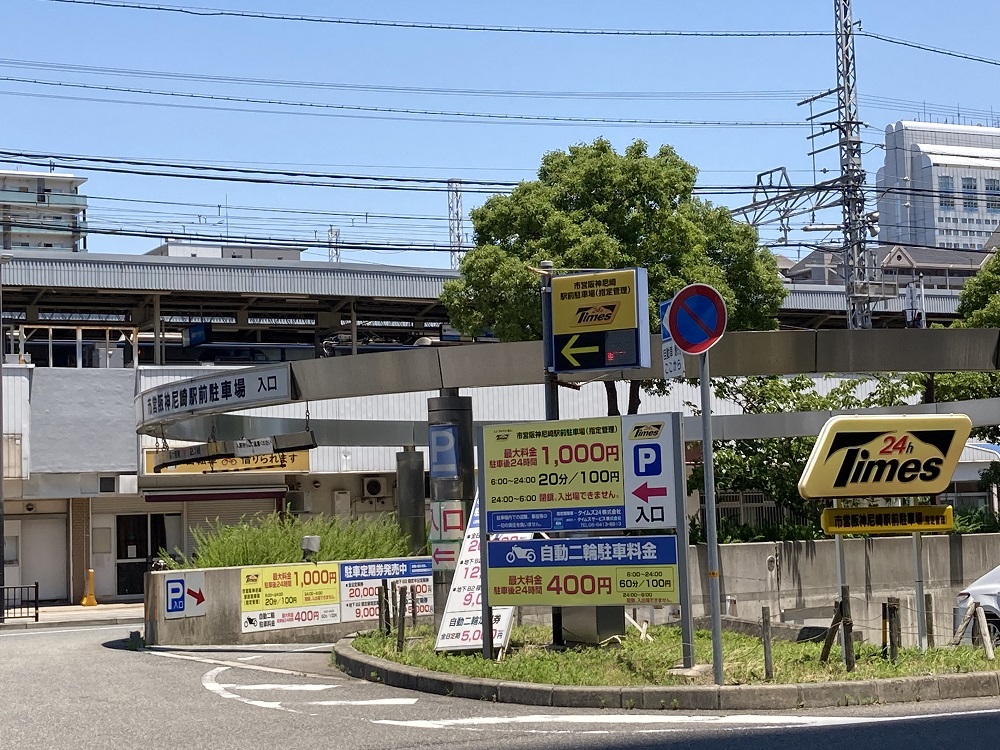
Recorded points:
(203, 514)
(134, 504)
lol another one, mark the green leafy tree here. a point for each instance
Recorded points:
(773, 465)
(978, 307)
(592, 208)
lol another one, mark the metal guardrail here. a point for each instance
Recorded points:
(19, 602)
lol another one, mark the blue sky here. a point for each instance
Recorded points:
(781, 70)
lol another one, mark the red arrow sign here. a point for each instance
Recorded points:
(197, 596)
(644, 492)
(443, 555)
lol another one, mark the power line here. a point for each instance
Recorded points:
(929, 48)
(219, 12)
(790, 95)
(242, 239)
(273, 176)
(370, 112)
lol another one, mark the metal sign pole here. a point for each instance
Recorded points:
(710, 527)
(551, 399)
(683, 574)
(486, 624)
(918, 585)
(838, 551)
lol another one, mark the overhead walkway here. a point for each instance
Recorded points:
(739, 353)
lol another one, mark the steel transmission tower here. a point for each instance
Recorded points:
(858, 262)
(455, 220)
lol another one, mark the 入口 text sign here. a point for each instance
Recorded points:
(596, 571)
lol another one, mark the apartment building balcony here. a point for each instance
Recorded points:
(70, 201)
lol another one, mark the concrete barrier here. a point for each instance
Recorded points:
(221, 623)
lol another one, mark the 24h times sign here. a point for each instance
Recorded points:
(885, 455)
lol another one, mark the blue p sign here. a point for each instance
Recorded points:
(442, 440)
(647, 460)
(175, 595)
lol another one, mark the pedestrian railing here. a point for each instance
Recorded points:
(19, 602)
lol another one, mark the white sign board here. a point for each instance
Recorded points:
(360, 582)
(461, 626)
(253, 447)
(217, 392)
(673, 357)
(185, 594)
(648, 452)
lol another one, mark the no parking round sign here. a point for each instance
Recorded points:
(697, 318)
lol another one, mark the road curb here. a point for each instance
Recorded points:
(72, 623)
(695, 697)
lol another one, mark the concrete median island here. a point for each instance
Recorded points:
(533, 675)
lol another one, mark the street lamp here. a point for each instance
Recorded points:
(4, 259)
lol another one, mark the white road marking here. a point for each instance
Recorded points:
(730, 722)
(210, 683)
(371, 702)
(284, 651)
(53, 631)
(277, 686)
(621, 719)
(241, 665)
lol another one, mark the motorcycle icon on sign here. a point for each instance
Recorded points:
(520, 553)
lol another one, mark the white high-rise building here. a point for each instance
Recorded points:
(42, 211)
(939, 186)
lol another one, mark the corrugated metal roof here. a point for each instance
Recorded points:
(224, 276)
(829, 297)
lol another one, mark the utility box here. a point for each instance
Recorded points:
(592, 625)
(102, 356)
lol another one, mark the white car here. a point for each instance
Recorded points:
(986, 591)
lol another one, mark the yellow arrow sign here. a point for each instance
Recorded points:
(569, 350)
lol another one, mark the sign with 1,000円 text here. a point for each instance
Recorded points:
(881, 520)
(289, 596)
(600, 474)
(596, 571)
(884, 455)
(461, 626)
(554, 476)
(360, 581)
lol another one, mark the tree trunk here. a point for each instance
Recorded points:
(633, 396)
(612, 390)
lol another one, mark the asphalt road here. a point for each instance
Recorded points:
(80, 688)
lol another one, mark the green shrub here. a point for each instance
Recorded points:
(275, 538)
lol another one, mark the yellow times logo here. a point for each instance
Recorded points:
(883, 456)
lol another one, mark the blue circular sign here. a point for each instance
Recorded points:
(697, 318)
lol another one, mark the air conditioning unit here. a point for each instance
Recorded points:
(296, 502)
(372, 487)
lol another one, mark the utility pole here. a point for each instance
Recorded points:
(859, 263)
(455, 221)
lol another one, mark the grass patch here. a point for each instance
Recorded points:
(634, 663)
(274, 538)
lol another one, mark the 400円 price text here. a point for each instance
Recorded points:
(561, 586)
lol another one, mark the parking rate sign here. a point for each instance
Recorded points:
(651, 485)
(461, 626)
(554, 476)
(597, 571)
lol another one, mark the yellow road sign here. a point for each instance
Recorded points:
(887, 520)
(885, 455)
(600, 301)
